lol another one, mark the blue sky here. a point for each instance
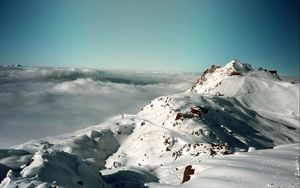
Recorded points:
(166, 35)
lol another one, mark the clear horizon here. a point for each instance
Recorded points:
(181, 36)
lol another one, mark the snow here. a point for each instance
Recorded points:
(264, 168)
(50, 168)
(245, 136)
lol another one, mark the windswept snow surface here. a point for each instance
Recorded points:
(237, 127)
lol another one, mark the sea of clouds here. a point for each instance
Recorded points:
(38, 102)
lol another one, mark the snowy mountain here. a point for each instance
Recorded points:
(237, 127)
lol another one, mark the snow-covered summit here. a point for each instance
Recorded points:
(238, 66)
(213, 77)
(234, 77)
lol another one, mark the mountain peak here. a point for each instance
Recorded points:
(232, 78)
(238, 66)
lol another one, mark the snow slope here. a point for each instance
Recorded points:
(237, 127)
(278, 167)
(50, 168)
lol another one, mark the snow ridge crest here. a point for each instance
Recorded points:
(215, 75)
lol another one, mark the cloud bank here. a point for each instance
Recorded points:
(39, 102)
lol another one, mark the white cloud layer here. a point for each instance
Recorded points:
(39, 102)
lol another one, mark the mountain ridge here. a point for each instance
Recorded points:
(229, 113)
